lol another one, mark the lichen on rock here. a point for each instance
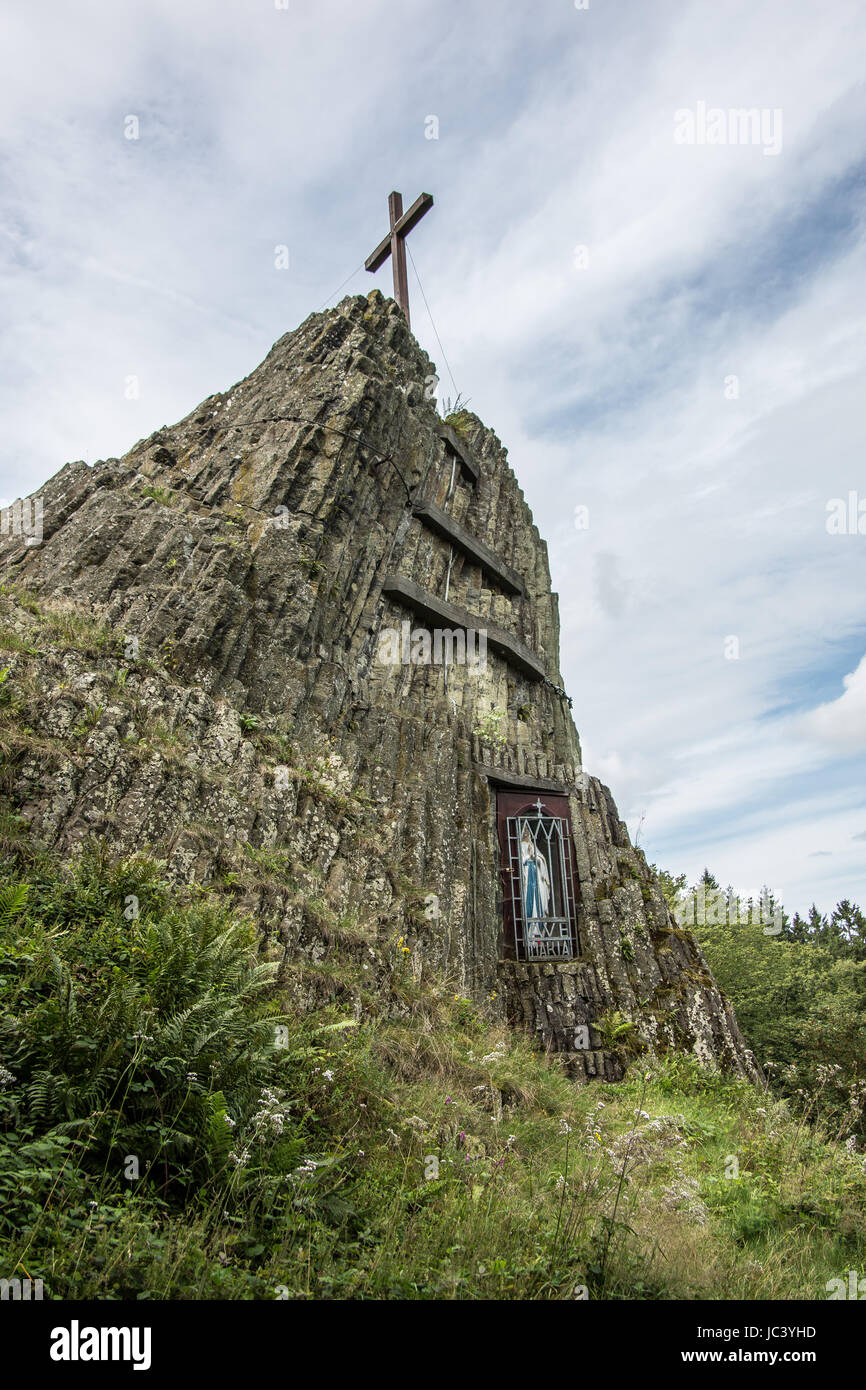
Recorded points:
(193, 655)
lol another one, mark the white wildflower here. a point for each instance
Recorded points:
(684, 1197)
(271, 1116)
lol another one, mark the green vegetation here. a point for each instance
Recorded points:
(164, 495)
(59, 621)
(617, 1031)
(799, 990)
(168, 1132)
(173, 1126)
(456, 414)
(488, 727)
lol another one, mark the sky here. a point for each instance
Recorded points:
(658, 307)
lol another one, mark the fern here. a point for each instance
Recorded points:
(13, 899)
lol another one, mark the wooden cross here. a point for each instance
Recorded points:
(393, 244)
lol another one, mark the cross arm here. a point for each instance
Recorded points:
(411, 218)
(402, 227)
(380, 255)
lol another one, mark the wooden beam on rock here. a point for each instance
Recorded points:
(478, 552)
(438, 613)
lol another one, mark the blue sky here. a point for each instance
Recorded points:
(609, 383)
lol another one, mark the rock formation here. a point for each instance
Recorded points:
(213, 632)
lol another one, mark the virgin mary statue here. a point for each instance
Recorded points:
(536, 880)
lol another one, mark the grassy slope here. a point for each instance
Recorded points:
(432, 1156)
(166, 1132)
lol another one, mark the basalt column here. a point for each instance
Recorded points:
(321, 571)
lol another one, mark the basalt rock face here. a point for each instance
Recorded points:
(231, 605)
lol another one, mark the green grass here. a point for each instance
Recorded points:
(393, 1141)
(434, 1155)
(164, 495)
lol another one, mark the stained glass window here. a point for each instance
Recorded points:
(541, 883)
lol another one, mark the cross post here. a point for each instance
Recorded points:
(394, 244)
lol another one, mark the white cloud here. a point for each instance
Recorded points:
(842, 723)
